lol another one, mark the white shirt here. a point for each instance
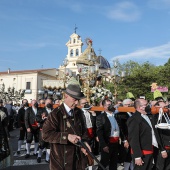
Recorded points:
(115, 127)
(48, 110)
(67, 109)
(88, 119)
(154, 141)
(130, 114)
(35, 110)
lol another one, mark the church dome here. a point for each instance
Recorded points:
(104, 64)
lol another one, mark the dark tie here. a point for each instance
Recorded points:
(71, 112)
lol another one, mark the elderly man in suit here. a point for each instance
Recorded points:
(32, 127)
(142, 136)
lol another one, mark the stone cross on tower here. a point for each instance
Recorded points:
(75, 29)
(100, 51)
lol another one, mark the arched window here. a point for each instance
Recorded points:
(71, 53)
(77, 52)
(74, 41)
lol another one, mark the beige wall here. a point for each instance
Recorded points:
(18, 81)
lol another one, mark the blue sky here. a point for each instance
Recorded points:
(33, 33)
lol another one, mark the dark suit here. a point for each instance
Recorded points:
(42, 143)
(162, 163)
(140, 139)
(124, 154)
(103, 132)
(31, 122)
(21, 123)
(157, 151)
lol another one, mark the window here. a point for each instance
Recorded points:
(74, 41)
(77, 52)
(28, 85)
(71, 53)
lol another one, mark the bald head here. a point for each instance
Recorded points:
(140, 105)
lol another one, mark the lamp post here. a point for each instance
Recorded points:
(87, 74)
(65, 76)
(115, 78)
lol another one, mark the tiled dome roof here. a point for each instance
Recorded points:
(104, 64)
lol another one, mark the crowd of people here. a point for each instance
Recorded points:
(127, 138)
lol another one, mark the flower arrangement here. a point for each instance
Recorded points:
(100, 93)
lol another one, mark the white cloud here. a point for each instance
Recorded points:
(159, 4)
(156, 55)
(124, 11)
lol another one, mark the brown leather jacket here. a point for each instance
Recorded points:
(64, 155)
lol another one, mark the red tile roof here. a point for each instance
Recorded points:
(26, 71)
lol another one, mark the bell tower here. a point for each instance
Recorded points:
(74, 46)
(74, 51)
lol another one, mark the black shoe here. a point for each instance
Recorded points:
(47, 161)
(39, 159)
(35, 154)
(18, 152)
(27, 155)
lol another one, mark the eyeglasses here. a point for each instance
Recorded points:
(143, 105)
(85, 103)
(127, 104)
(107, 105)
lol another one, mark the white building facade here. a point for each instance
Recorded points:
(31, 81)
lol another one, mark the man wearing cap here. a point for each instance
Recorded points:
(63, 128)
(164, 152)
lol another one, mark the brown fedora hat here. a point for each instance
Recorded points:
(74, 91)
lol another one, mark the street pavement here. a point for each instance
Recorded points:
(20, 163)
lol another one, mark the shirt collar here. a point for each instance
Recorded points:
(67, 108)
(47, 108)
(109, 114)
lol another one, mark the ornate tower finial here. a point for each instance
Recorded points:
(88, 41)
(75, 29)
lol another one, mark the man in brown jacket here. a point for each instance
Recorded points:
(64, 127)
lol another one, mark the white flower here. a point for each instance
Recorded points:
(99, 90)
(92, 98)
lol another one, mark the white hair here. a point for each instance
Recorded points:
(126, 101)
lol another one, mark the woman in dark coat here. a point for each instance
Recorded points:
(5, 158)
